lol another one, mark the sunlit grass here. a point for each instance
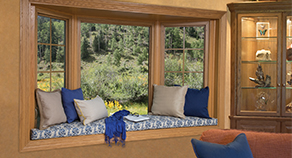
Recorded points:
(114, 106)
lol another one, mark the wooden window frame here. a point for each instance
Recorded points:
(148, 13)
(51, 15)
(206, 46)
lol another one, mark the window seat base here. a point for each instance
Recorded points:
(76, 128)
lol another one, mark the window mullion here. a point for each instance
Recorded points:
(50, 54)
(183, 68)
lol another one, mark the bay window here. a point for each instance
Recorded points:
(50, 56)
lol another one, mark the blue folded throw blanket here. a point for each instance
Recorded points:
(115, 128)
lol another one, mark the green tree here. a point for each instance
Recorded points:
(139, 41)
(113, 43)
(176, 38)
(143, 56)
(47, 56)
(60, 55)
(121, 46)
(84, 49)
(117, 57)
(96, 44)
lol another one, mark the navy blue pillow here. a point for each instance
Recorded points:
(239, 148)
(196, 102)
(68, 102)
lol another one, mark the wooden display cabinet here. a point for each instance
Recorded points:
(261, 73)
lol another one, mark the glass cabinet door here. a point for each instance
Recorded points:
(259, 65)
(287, 107)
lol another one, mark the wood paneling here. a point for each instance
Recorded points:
(261, 126)
(286, 127)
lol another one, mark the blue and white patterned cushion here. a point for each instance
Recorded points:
(76, 128)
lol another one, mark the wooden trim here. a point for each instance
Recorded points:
(223, 93)
(212, 68)
(151, 66)
(260, 6)
(129, 7)
(24, 98)
(284, 50)
(261, 118)
(234, 49)
(56, 143)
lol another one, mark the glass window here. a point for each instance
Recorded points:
(114, 65)
(51, 52)
(184, 56)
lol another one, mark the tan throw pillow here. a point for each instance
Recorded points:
(51, 108)
(169, 101)
(90, 110)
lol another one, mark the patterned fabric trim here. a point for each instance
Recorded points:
(76, 128)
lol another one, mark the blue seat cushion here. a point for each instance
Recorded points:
(239, 148)
(68, 97)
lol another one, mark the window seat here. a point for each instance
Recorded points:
(76, 128)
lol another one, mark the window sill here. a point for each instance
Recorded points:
(77, 141)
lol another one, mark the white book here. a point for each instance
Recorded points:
(136, 118)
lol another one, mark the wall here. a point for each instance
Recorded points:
(9, 96)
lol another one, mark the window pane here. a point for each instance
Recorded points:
(57, 81)
(173, 60)
(43, 58)
(171, 79)
(174, 37)
(51, 53)
(194, 60)
(58, 31)
(194, 80)
(194, 37)
(43, 29)
(114, 65)
(184, 56)
(43, 81)
(58, 58)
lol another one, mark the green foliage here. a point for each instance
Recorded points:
(84, 49)
(96, 44)
(114, 74)
(110, 84)
(117, 58)
(60, 57)
(113, 44)
(47, 56)
(143, 57)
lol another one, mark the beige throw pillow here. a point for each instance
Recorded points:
(50, 107)
(90, 110)
(169, 101)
